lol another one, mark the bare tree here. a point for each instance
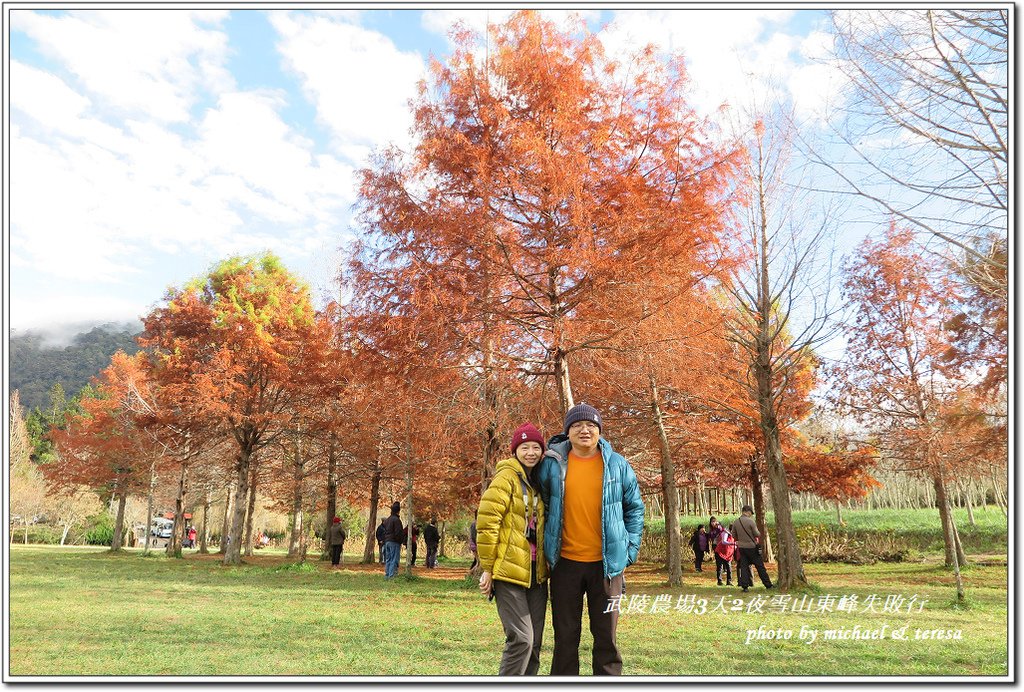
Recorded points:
(926, 120)
(782, 311)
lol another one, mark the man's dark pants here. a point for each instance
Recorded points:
(335, 553)
(570, 580)
(431, 555)
(748, 557)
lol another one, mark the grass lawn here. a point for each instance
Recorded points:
(83, 611)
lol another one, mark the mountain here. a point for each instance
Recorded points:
(39, 359)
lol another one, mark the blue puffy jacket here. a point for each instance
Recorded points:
(622, 509)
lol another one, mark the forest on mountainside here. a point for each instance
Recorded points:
(35, 366)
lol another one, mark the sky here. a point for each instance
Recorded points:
(148, 144)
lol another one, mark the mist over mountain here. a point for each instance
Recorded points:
(70, 354)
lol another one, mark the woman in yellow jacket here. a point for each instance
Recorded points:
(509, 537)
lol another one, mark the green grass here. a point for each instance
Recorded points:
(83, 611)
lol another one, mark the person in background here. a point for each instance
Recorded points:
(336, 536)
(393, 533)
(721, 565)
(380, 540)
(432, 538)
(748, 542)
(699, 543)
(192, 533)
(510, 529)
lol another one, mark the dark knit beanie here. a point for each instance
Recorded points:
(582, 412)
(395, 507)
(526, 433)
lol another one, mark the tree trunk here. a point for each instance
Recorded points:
(408, 506)
(233, 554)
(790, 564)
(26, 533)
(565, 399)
(297, 473)
(64, 535)
(225, 529)
(149, 506)
(996, 493)
(303, 537)
(968, 503)
(760, 513)
(441, 543)
(332, 485)
(839, 513)
(673, 557)
(371, 524)
(250, 511)
(954, 552)
(174, 545)
(204, 535)
(115, 543)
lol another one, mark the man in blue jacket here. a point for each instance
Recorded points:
(594, 521)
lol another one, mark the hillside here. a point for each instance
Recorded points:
(35, 365)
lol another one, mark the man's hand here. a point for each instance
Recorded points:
(485, 583)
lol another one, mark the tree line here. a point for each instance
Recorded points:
(566, 227)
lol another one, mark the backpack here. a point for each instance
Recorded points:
(726, 545)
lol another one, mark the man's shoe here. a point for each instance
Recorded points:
(744, 589)
(719, 582)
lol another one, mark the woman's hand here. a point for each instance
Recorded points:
(485, 583)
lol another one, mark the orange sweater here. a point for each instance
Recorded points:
(581, 513)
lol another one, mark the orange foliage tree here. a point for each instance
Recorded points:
(895, 378)
(229, 351)
(545, 176)
(103, 447)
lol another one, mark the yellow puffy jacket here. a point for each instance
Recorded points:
(501, 524)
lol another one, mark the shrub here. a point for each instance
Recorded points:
(99, 529)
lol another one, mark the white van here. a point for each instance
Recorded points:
(162, 528)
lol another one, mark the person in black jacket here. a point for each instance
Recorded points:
(336, 538)
(380, 540)
(432, 538)
(393, 533)
(699, 543)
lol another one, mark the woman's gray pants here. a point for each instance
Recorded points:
(522, 614)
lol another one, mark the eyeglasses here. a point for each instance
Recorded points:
(584, 425)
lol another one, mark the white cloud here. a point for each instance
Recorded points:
(442, 21)
(736, 57)
(101, 203)
(136, 61)
(41, 311)
(358, 80)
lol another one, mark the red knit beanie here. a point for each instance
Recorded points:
(337, 520)
(526, 433)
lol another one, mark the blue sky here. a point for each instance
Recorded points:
(148, 144)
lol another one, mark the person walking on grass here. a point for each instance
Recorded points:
(510, 542)
(380, 540)
(336, 537)
(748, 542)
(595, 518)
(393, 532)
(432, 538)
(699, 543)
(718, 534)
